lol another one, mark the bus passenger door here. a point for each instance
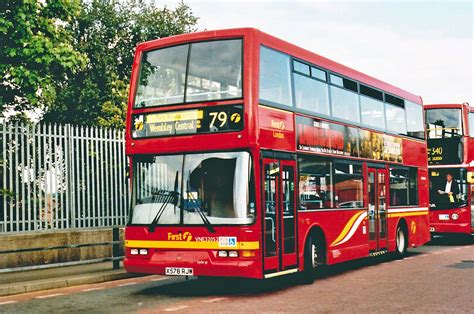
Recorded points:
(377, 209)
(280, 215)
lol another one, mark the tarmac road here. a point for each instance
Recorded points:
(438, 277)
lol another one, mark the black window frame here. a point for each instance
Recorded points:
(346, 83)
(394, 100)
(368, 91)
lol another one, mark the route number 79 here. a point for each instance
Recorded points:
(221, 116)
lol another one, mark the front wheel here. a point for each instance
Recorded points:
(401, 245)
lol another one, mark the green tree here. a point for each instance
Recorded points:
(107, 32)
(36, 52)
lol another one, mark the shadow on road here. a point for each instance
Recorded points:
(450, 240)
(249, 287)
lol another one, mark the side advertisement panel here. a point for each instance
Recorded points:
(319, 136)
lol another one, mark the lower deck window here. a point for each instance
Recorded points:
(403, 186)
(348, 186)
(329, 184)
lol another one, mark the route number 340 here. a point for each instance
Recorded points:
(437, 151)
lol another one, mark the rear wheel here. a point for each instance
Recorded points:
(314, 259)
(401, 242)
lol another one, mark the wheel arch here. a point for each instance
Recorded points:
(402, 223)
(317, 231)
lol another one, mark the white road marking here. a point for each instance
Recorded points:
(8, 302)
(127, 284)
(93, 289)
(176, 308)
(214, 300)
(159, 279)
(407, 258)
(49, 296)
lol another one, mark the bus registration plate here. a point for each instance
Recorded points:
(178, 271)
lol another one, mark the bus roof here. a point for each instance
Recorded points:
(439, 106)
(286, 47)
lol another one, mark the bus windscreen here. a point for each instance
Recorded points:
(195, 72)
(180, 189)
(448, 188)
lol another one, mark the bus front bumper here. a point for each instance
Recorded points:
(202, 262)
(446, 227)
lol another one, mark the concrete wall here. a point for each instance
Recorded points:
(52, 239)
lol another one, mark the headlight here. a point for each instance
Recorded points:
(454, 216)
(233, 254)
(143, 251)
(222, 253)
(134, 251)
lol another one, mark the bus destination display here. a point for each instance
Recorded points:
(188, 121)
(445, 151)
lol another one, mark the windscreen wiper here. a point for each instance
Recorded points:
(203, 216)
(164, 197)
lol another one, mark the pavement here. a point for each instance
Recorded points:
(61, 277)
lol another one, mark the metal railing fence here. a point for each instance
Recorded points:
(61, 177)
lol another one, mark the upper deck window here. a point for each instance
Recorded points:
(395, 119)
(443, 123)
(301, 67)
(202, 71)
(394, 100)
(372, 112)
(345, 104)
(275, 83)
(414, 119)
(319, 74)
(471, 124)
(371, 92)
(311, 95)
(343, 82)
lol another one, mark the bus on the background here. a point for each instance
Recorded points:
(252, 157)
(450, 130)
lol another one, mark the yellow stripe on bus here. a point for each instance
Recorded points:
(347, 227)
(408, 214)
(251, 245)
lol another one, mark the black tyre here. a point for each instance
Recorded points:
(314, 259)
(401, 242)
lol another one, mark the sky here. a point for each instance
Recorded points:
(424, 47)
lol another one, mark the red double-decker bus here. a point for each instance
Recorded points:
(252, 157)
(450, 130)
